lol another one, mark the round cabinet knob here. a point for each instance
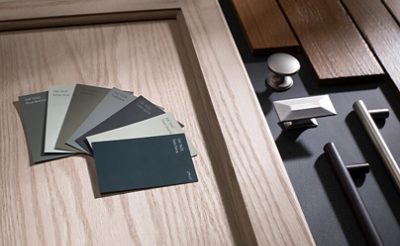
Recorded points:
(282, 66)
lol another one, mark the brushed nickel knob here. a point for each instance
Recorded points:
(282, 67)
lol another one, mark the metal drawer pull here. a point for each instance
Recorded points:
(366, 117)
(301, 112)
(343, 173)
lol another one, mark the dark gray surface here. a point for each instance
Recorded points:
(33, 116)
(319, 192)
(114, 101)
(138, 110)
(143, 163)
(83, 102)
(328, 213)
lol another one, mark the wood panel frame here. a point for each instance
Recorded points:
(255, 188)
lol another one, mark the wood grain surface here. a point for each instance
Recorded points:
(330, 39)
(381, 31)
(190, 66)
(264, 25)
(394, 7)
(52, 202)
(24, 9)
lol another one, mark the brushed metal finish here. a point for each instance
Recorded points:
(279, 82)
(282, 65)
(373, 132)
(304, 108)
(306, 123)
(382, 113)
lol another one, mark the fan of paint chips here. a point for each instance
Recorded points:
(135, 144)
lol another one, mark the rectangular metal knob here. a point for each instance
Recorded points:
(297, 111)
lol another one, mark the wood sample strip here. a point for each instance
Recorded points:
(381, 31)
(330, 39)
(264, 25)
(394, 7)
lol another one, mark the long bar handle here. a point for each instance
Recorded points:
(376, 137)
(350, 189)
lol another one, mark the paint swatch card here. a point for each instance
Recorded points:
(83, 102)
(57, 105)
(161, 125)
(138, 110)
(114, 101)
(33, 117)
(143, 163)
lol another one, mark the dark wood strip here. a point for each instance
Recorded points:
(264, 25)
(381, 32)
(394, 8)
(330, 39)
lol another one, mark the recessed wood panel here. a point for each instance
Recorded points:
(381, 31)
(57, 200)
(330, 39)
(264, 25)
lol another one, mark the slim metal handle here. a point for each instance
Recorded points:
(373, 132)
(350, 189)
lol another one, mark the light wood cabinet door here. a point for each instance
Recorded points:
(179, 54)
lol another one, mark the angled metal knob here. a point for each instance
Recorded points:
(302, 112)
(283, 66)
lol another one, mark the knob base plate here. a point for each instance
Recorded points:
(280, 82)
